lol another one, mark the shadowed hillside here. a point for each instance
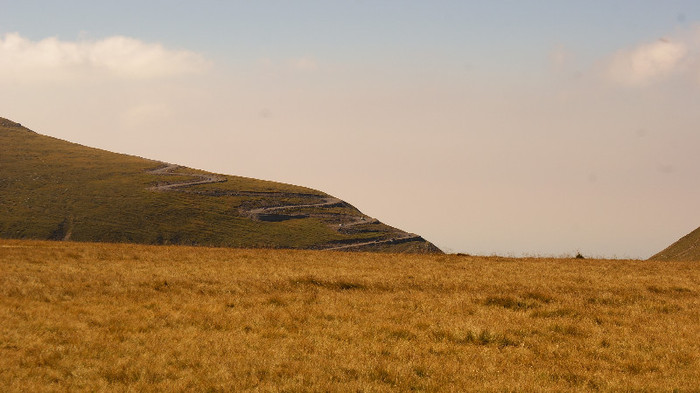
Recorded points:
(686, 248)
(57, 190)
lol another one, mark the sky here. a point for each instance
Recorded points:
(517, 128)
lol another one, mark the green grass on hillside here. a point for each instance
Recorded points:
(53, 189)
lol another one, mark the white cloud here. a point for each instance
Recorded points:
(117, 56)
(648, 63)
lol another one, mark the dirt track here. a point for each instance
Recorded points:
(168, 171)
(326, 202)
(404, 239)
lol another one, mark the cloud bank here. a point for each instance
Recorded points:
(648, 63)
(116, 56)
(654, 62)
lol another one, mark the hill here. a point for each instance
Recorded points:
(56, 190)
(686, 248)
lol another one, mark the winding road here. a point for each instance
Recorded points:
(326, 202)
(402, 239)
(168, 170)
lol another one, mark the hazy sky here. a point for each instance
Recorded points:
(507, 127)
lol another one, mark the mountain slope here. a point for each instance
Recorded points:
(53, 189)
(686, 248)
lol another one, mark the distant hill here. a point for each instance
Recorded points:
(53, 189)
(685, 249)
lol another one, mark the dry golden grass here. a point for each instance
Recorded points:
(98, 317)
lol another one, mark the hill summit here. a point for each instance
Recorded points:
(54, 189)
(686, 248)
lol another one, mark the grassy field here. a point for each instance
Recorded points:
(96, 317)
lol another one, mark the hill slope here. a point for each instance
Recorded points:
(53, 189)
(686, 248)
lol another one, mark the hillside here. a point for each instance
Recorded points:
(686, 248)
(56, 190)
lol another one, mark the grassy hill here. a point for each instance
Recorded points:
(686, 248)
(85, 317)
(57, 190)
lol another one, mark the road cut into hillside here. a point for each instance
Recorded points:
(283, 212)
